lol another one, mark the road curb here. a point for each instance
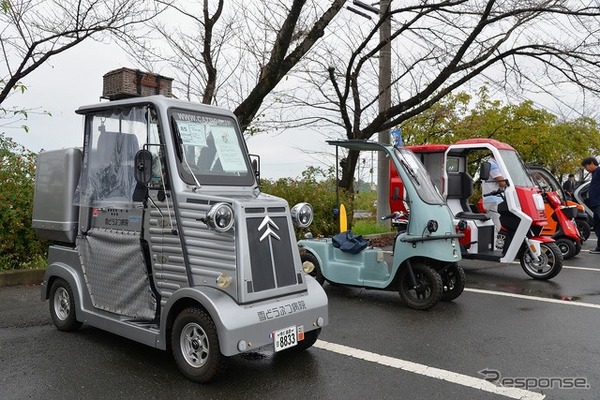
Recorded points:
(16, 277)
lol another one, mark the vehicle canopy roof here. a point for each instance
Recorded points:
(160, 100)
(428, 148)
(492, 142)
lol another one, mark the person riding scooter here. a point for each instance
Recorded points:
(494, 183)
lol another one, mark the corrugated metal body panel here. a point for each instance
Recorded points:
(210, 254)
(165, 249)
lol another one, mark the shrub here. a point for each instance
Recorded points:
(321, 194)
(19, 246)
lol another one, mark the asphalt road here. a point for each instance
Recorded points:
(521, 331)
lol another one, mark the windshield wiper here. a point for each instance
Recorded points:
(410, 171)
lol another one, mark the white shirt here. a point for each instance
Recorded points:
(491, 184)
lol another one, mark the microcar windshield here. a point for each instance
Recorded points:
(211, 148)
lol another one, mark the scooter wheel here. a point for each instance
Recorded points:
(549, 264)
(427, 291)
(316, 270)
(567, 247)
(584, 229)
(453, 279)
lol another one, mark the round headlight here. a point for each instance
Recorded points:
(302, 215)
(220, 217)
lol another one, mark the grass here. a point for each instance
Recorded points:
(369, 227)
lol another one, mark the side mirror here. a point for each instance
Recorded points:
(143, 166)
(484, 170)
(256, 166)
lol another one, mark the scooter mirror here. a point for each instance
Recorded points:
(143, 166)
(484, 170)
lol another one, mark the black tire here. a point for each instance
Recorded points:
(578, 246)
(453, 280)
(62, 306)
(584, 229)
(195, 346)
(568, 247)
(310, 338)
(428, 290)
(550, 265)
(316, 270)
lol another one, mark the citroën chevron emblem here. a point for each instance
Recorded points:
(268, 222)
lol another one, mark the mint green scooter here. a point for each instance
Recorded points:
(426, 252)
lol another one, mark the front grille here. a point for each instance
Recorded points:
(271, 254)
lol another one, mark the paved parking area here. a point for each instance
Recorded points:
(506, 336)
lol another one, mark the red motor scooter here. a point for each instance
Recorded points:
(557, 203)
(566, 235)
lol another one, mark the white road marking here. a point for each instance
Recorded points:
(582, 268)
(570, 267)
(535, 298)
(432, 372)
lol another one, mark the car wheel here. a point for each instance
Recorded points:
(62, 306)
(195, 346)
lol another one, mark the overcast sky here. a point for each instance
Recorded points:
(74, 78)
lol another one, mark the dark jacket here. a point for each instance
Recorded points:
(594, 190)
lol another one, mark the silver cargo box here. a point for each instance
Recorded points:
(54, 215)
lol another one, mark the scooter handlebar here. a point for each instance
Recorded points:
(500, 192)
(395, 214)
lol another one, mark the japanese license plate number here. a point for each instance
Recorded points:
(285, 338)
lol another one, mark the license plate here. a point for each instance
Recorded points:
(285, 338)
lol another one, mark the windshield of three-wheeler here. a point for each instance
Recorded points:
(518, 173)
(211, 148)
(419, 176)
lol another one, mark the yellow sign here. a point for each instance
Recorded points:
(343, 219)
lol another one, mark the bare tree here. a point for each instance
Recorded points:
(33, 31)
(532, 46)
(309, 63)
(234, 53)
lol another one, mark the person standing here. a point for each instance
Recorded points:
(569, 187)
(591, 165)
